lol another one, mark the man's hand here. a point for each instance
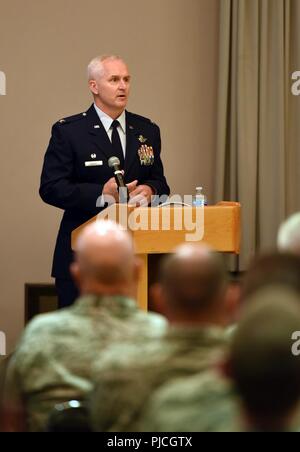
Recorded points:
(110, 188)
(141, 196)
(131, 186)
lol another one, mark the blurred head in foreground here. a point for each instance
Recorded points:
(105, 263)
(270, 269)
(288, 237)
(193, 286)
(265, 371)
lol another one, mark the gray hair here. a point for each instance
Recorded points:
(288, 238)
(95, 66)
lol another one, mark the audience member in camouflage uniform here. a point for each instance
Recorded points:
(192, 295)
(203, 402)
(262, 365)
(54, 358)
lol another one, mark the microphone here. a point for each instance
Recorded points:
(114, 163)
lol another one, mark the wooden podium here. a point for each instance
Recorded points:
(158, 230)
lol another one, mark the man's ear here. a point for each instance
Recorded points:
(93, 86)
(226, 367)
(157, 298)
(75, 273)
(136, 276)
(137, 269)
(232, 300)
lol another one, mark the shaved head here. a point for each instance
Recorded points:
(193, 277)
(288, 238)
(105, 256)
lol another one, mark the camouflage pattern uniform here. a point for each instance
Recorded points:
(128, 376)
(53, 361)
(204, 402)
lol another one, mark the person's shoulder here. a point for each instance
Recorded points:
(179, 402)
(40, 336)
(44, 324)
(152, 324)
(138, 119)
(130, 354)
(71, 119)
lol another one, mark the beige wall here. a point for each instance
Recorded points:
(171, 47)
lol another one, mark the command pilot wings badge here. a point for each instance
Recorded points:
(142, 139)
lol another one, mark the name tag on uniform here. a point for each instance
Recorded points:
(94, 163)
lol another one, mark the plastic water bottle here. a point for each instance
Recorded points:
(199, 199)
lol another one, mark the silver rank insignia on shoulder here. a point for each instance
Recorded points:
(146, 155)
(142, 139)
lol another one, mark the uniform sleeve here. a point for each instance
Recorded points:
(59, 186)
(13, 407)
(157, 179)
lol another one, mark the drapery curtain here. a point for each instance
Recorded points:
(258, 130)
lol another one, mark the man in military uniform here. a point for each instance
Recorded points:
(54, 358)
(76, 172)
(192, 295)
(260, 390)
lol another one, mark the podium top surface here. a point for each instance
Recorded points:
(161, 229)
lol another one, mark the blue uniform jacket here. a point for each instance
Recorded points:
(68, 182)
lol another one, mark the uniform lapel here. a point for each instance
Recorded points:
(98, 133)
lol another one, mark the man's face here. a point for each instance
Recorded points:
(111, 88)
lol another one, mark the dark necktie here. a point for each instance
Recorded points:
(116, 142)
